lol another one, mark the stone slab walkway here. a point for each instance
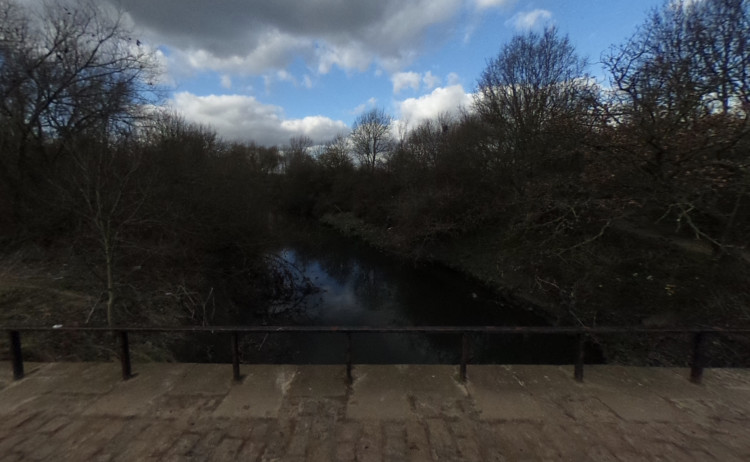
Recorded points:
(83, 411)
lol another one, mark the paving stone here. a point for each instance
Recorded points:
(252, 448)
(585, 408)
(208, 441)
(394, 437)
(227, 450)
(20, 394)
(442, 444)
(23, 421)
(10, 443)
(642, 408)
(467, 440)
(299, 440)
(499, 394)
(349, 430)
(376, 394)
(68, 403)
(417, 442)
(98, 435)
(277, 439)
(149, 440)
(734, 378)
(138, 395)
(319, 381)
(322, 440)
(182, 447)
(204, 379)
(54, 424)
(345, 451)
(369, 447)
(421, 413)
(259, 395)
(95, 378)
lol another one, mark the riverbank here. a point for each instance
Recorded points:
(471, 256)
(625, 276)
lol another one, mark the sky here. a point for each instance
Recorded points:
(264, 71)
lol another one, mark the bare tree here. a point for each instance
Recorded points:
(371, 138)
(680, 108)
(107, 189)
(535, 95)
(335, 155)
(297, 151)
(65, 70)
(426, 140)
(300, 144)
(687, 64)
(73, 81)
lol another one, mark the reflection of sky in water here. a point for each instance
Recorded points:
(349, 294)
(358, 286)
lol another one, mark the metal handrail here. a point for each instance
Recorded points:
(582, 332)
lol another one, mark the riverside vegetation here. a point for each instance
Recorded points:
(625, 202)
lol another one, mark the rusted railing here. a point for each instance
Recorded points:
(696, 372)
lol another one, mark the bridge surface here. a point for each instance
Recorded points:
(83, 411)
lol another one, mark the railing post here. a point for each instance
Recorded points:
(125, 355)
(578, 372)
(16, 354)
(696, 370)
(464, 356)
(236, 356)
(349, 379)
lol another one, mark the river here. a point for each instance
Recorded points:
(345, 282)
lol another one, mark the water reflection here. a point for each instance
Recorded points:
(358, 286)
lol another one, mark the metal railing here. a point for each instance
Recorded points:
(582, 333)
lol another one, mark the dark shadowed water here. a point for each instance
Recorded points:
(348, 283)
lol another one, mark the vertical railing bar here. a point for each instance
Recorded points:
(696, 369)
(464, 355)
(580, 352)
(125, 355)
(16, 354)
(349, 379)
(236, 357)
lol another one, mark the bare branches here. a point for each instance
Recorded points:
(534, 95)
(371, 137)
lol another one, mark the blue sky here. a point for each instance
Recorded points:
(265, 71)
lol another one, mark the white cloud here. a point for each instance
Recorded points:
(402, 80)
(528, 20)
(285, 76)
(274, 51)
(430, 81)
(226, 82)
(486, 4)
(350, 57)
(414, 80)
(254, 37)
(244, 118)
(453, 79)
(441, 100)
(361, 107)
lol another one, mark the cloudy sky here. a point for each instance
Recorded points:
(268, 70)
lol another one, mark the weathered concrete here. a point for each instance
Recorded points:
(82, 411)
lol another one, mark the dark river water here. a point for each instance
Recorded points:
(344, 282)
